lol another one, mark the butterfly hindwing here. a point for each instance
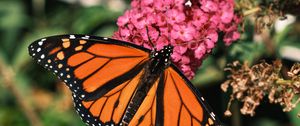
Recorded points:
(188, 106)
(110, 108)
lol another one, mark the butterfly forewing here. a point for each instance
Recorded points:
(81, 61)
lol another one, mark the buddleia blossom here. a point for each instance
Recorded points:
(192, 27)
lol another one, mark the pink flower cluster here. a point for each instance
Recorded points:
(191, 26)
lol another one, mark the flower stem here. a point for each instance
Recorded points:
(251, 11)
(283, 82)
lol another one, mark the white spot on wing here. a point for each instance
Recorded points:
(86, 37)
(42, 56)
(72, 37)
(212, 115)
(38, 50)
(202, 98)
(40, 43)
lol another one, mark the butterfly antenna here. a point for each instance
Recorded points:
(169, 34)
(159, 33)
(149, 39)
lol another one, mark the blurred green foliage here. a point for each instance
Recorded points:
(22, 22)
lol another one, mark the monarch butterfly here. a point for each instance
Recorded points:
(118, 83)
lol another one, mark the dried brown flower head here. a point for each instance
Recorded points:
(266, 12)
(251, 84)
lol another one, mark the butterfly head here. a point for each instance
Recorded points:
(166, 52)
(162, 58)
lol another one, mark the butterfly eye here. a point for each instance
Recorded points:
(153, 54)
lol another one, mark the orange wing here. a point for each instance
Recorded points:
(180, 104)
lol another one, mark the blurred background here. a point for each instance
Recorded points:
(30, 95)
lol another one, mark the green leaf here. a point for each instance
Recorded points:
(12, 116)
(12, 21)
(293, 116)
(281, 37)
(12, 15)
(209, 72)
(246, 51)
(55, 118)
(264, 122)
(106, 31)
(91, 18)
(287, 44)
